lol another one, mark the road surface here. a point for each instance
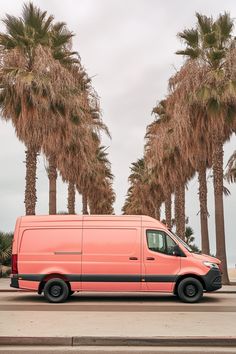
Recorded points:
(27, 301)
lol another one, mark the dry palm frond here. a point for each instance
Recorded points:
(34, 99)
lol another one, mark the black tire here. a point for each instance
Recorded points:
(190, 290)
(56, 290)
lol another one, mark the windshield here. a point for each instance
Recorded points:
(182, 242)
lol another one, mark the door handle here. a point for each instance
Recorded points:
(150, 259)
(133, 258)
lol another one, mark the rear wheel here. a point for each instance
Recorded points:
(190, 290)
(56, 290)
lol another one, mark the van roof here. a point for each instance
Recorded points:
(62, 217)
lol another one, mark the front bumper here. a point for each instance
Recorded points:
(14, 281)
(212, 280)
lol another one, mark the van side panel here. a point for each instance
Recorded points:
(44, 251)
(111, 259)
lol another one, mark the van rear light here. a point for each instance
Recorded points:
(14, 267)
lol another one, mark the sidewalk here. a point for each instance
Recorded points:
(117, 328)
(5, 287)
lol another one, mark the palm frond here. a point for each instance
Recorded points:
(204, 23)
(190, 37)
(226, 191)
(210, 39)
(192, 53)
(225, 25)
(14, 26)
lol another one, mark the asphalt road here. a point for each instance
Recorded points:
(102, 302)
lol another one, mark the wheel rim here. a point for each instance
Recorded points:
(55, 290)
(190, 290)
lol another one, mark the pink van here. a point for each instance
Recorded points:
(60, 254)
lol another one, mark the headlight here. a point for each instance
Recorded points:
(211, 265)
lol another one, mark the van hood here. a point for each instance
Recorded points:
(205, 257)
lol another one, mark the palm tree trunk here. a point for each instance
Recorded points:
(52, 175)
(203, 208)
(85, 203)
(180, 210)
(92, 209)
(217, 159)
(71, 198)
(30, 187)
(168, 210)
(177, 211)
(158, 212)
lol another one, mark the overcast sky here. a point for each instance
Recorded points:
(128, 47)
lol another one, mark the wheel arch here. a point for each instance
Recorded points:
(52, 276)
(189, 275)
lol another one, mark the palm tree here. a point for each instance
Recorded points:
(61, 45)
(64, 132)
(210, 44)
(73, 157)
(71, 198)
(195, 144)
(52, 177)
(163, 153)
(168, 212)
(77, 157)
(189, 238)
(153, 130)
(140, 181)
(96, 182)
(145, 195)
(33, 84)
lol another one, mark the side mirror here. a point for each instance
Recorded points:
(177, 251)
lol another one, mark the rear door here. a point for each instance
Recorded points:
(52, 250)
(161, 266)
(111, 259)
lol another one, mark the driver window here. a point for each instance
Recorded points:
(159, 241)
(170, 245)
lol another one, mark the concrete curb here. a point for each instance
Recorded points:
(121, 341)
(42, 341)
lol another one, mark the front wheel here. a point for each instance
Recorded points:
(56, 290)
(190, 290)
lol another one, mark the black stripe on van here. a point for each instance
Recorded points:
(110, 278)
(161, 278)
(126, 278)
(30, 277)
